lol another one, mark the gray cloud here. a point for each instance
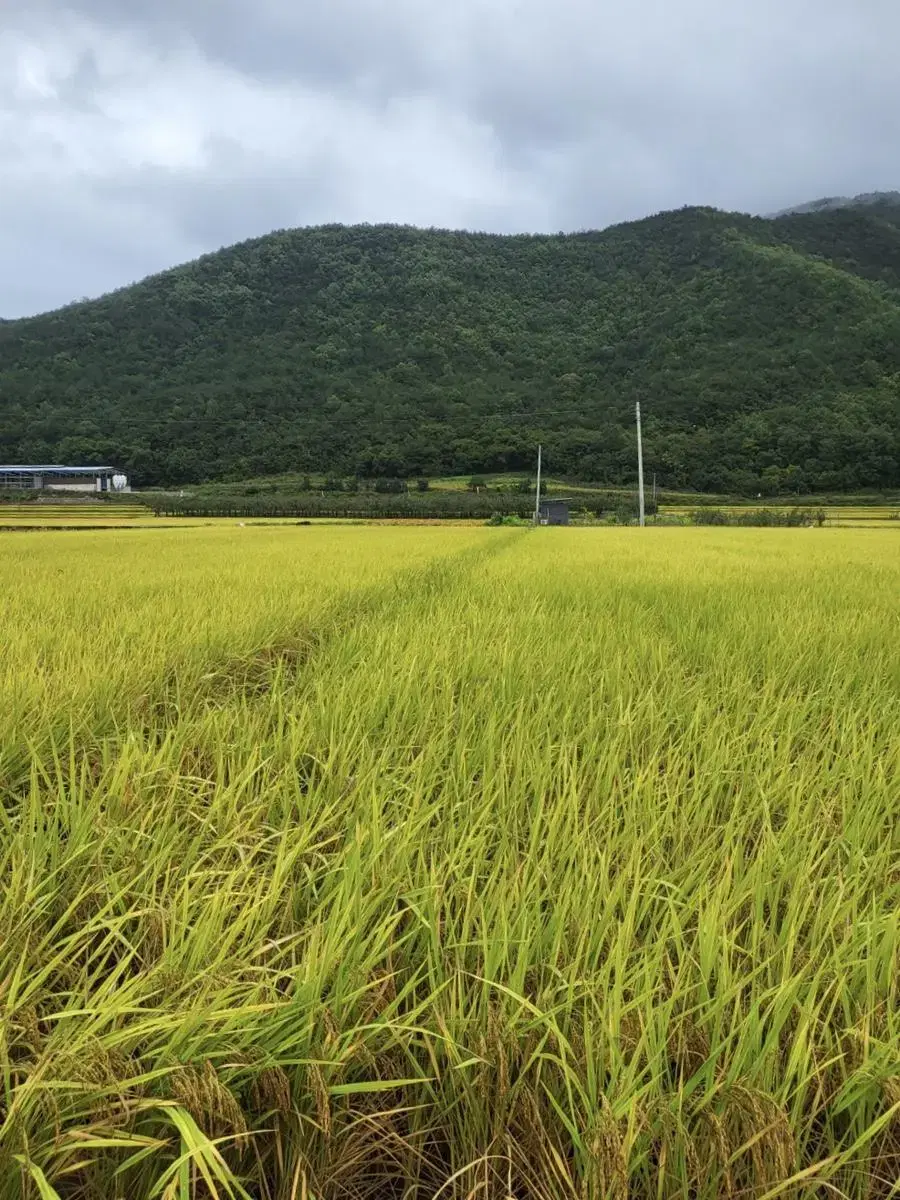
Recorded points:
(137, 133)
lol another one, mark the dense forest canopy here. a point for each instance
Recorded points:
(766, 355)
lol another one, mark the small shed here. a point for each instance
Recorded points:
(554, 512)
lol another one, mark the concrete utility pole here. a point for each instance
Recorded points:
(637, 409)
(537, 498)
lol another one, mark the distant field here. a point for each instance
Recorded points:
(96, 514)
(851, 515)
(100, 516)
(31, 517)
(295, 485)
(383, 862)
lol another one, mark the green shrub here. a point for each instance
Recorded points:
(507, 519)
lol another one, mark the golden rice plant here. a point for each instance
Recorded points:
(343, 862)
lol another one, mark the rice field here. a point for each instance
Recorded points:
(74, 515)
(463, 862)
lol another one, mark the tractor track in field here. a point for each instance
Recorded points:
(250, 676)
(253, 675)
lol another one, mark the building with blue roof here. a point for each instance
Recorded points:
(57, 478)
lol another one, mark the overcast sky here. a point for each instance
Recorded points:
(136, 134)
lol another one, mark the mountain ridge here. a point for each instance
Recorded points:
(832, 203)
(380, 350)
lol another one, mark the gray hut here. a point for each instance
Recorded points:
(554, 512)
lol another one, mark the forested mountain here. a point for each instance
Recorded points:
(867, 199)
(766, 354)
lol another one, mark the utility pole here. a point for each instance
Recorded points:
(637, 409)
(537, 499)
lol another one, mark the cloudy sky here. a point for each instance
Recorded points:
(135, 134)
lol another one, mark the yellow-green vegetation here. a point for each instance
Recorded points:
(75, 516)
(345, 862)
